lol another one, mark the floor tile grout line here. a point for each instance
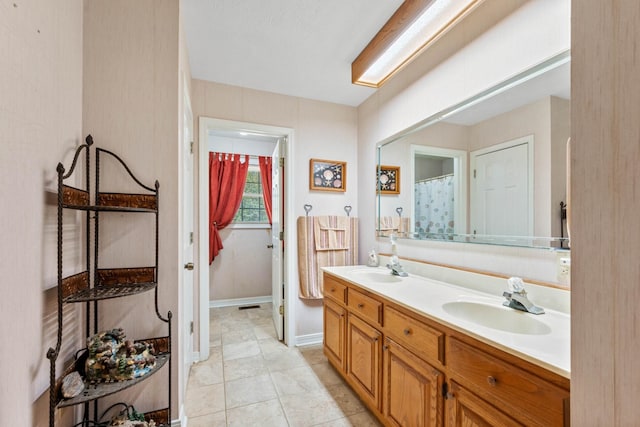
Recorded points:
(223, 322)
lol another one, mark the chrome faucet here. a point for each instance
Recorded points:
(394, 263)
(517, 297)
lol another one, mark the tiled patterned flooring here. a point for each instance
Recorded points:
(251, 379)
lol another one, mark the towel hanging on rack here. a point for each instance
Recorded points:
(393, 225)
(336, 245)
(331, 233)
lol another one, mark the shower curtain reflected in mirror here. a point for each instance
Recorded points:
(434, 201)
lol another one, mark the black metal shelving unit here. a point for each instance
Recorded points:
(97, 284)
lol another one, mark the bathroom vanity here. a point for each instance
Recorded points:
(421, 352)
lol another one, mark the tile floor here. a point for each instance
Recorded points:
(251, 379)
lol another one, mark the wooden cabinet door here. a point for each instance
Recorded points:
(465, 409)
(412, 389)
(364, 350)
(334, 327)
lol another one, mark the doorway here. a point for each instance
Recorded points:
(428, 165)
(241, 135)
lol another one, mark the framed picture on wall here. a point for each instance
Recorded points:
(327, 175)
(388, 179)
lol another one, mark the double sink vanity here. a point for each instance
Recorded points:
(424, 352)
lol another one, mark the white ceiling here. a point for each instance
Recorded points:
(301, 48)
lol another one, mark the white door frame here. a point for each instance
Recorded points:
(204, 125)
(186, 302)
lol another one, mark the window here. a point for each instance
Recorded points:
(251, 209)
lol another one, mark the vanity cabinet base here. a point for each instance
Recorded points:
(412, 371)
(412, 389)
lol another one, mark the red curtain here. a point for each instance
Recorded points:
(265, 178)
(227, 176)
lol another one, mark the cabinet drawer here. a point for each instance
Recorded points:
(334, 289)
(528, 398)
(365, 306)
(414, 334)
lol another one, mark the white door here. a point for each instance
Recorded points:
(277, 283)
(501, 196)
(187, 242)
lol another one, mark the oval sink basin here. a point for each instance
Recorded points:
(379, 276)
(497, 317)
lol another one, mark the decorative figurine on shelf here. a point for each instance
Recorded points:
(111, 358)
(72, 385)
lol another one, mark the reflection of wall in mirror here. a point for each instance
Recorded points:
(442, 135)
(547, 119)
(432, 166)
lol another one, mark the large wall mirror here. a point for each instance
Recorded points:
(491, 169)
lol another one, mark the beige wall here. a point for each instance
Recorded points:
(501, 39)
(605, 373)
(40, 125)
(132, 107)
(321, 130)
(243, 267)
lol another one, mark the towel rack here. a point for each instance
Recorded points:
(307, 209)
(347, 209)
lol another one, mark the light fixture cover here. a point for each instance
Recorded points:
(412, 28)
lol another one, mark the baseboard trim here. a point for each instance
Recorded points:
(311, 339)
(239, 301)
(182, 421)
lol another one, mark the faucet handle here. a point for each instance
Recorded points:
(515, 285)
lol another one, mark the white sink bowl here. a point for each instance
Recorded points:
(497, 317)
(376, 275)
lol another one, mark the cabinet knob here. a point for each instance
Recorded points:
(270, 246)
(360, 305)
(492, 381)
(333, 289)
(407, 331)
(188, 266)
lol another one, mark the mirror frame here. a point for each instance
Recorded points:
(559, 243)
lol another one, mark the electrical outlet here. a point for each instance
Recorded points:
(564, 268)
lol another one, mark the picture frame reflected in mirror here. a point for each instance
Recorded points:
(388, 179)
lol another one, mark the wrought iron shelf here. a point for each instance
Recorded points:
(96, 391)
(107, 292)
(95, 284)
(109, 283)
(77, 199)
(94, 208)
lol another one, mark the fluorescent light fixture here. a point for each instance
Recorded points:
(412, 28)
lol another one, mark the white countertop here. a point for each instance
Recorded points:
(549, 346)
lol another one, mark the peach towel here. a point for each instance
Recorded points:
(334, 251)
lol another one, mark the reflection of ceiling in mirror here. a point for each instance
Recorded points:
(555, 82)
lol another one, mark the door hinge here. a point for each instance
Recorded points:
(191, 237)
(474, 173)
(281, 310)
(281, 162)
(191, 327)
(281, 235)
(191, 147)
